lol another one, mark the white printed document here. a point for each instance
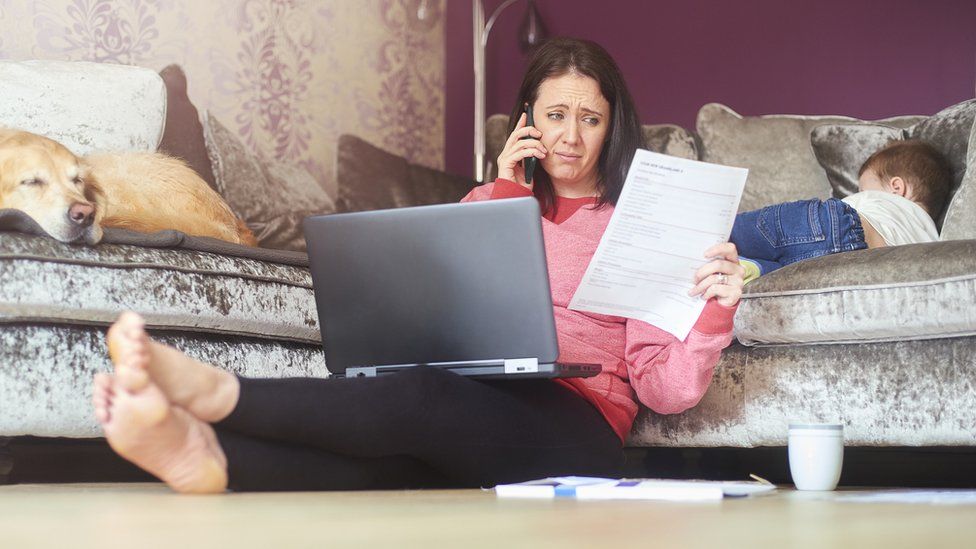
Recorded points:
(670, 211)
(607, 488)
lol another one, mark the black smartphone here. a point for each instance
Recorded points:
(528, 164)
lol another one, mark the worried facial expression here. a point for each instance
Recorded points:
(574, 118)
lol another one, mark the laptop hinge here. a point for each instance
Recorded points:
(361, 371)
(521, 365)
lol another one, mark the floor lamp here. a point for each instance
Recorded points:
(531, 34)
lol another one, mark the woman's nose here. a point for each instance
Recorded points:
(571, 135)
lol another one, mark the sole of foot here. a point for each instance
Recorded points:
(143, 427)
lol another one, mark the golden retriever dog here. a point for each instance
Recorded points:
(73, 198)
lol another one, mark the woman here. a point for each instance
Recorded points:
(201, 429)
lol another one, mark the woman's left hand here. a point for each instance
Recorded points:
(721, 277)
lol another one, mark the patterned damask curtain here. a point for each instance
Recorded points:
(289, 76)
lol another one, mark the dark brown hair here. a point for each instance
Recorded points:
(920, 165)
(560, 56)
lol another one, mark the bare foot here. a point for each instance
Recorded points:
(207, 392)
(144, 428)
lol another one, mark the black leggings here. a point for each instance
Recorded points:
(419, 428)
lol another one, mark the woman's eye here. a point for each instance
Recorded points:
(555, 116)
(591, 120)
(33, 181)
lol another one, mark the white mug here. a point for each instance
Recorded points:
(816, 455)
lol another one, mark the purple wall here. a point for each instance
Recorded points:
(859, 58)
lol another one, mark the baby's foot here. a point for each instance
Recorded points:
(207, 392)
(142, 426)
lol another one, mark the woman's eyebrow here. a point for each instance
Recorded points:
(584, 109)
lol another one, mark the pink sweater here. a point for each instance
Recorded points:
(640, 362)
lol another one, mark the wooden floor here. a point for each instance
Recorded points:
(149, 515)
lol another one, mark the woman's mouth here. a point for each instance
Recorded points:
(569, 157)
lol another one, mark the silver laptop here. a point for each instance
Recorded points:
(456, 286)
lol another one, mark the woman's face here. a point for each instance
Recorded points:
(573, 116)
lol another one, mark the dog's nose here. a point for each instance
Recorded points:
(81, 214)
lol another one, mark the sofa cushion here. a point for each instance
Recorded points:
(47, 391)
(271, 197)
(775, 148)
(842, 148)
(959, 221)
(671, 140)
(897, 393)
(183, 137)
(919, 291)
(496, 134)
(18, 221)
(51, 282)
(370, 178)
(87, 107)
(660, 138)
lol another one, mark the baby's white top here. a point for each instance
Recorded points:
(897, 219)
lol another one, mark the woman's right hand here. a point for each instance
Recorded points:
(517, 149)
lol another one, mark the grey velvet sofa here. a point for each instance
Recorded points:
(880, 340)
(883, 341)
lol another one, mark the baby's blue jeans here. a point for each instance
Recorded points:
(785, 233)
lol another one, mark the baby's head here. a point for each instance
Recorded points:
(912, 169)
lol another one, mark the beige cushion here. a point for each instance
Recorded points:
(370, 178)
(775, 148)
(671, 140)
(898, 293)
(271, 197)
(842, 148)
(960, 217)
(87, 107)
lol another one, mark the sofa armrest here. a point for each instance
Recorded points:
(894, 265)
(920, 291)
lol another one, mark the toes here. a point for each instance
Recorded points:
(102, 382)
(102, 388)
(133, 356)
(102, 397)
(129, 352)
(131, 379)
(126, 332)
(130, 318)
(102, 415)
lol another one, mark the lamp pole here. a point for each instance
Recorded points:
(481, 32)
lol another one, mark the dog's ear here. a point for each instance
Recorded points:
(94, 192)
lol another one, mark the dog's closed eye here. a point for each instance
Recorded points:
(33, 182)
(78, 180)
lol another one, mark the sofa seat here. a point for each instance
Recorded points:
(921, 291)
(251, 317)
(894, 393)
(48, 281)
